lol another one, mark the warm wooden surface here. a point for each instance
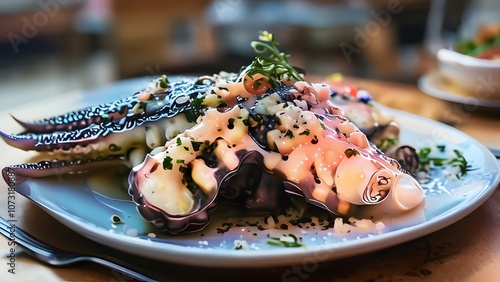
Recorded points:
(481, 124)
(468, 250)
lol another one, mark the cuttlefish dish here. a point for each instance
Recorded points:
(250, 137)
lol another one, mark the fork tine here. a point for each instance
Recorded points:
(24, 239)
(58, 257)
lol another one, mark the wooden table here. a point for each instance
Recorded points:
(481, 124)
(468, 250)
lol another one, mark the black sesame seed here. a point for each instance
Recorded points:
(314, 140)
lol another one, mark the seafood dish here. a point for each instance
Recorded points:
(485, 44)
(252, 138)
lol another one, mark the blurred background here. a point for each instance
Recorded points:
(49, 47)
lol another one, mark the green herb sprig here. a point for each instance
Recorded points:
(197, 109)
(276, 241)
(270, 62)
(459, 160)
(387, 143)
(164, 83)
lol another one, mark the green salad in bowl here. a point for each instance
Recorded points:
(473, 65)
(485, 45)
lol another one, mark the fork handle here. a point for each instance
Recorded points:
(111, 260)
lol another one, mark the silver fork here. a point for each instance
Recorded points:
(57, 257)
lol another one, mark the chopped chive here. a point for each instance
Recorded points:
(351, 152)
(289, 134)
(116, 219)
(167, 163)
(280, 242)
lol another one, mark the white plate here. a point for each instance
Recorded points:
(435, 84)
(85, 204)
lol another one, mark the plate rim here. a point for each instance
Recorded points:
(425, 85)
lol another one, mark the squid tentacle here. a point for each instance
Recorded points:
(80, 118)
(58, 167)
(178, 101)
(175, 100)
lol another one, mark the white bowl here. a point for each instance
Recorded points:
(478, 77)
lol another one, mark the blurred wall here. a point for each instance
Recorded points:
(161, 36)
(116, 39)
(380, 39)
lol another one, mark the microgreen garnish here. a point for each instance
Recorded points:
(386, 143)
(461, 162)
(283, 241)
(269, 62)
(425, 160)
(289, 134)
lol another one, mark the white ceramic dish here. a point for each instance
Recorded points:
(435, 84)
(85, 204)
(478, 77)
